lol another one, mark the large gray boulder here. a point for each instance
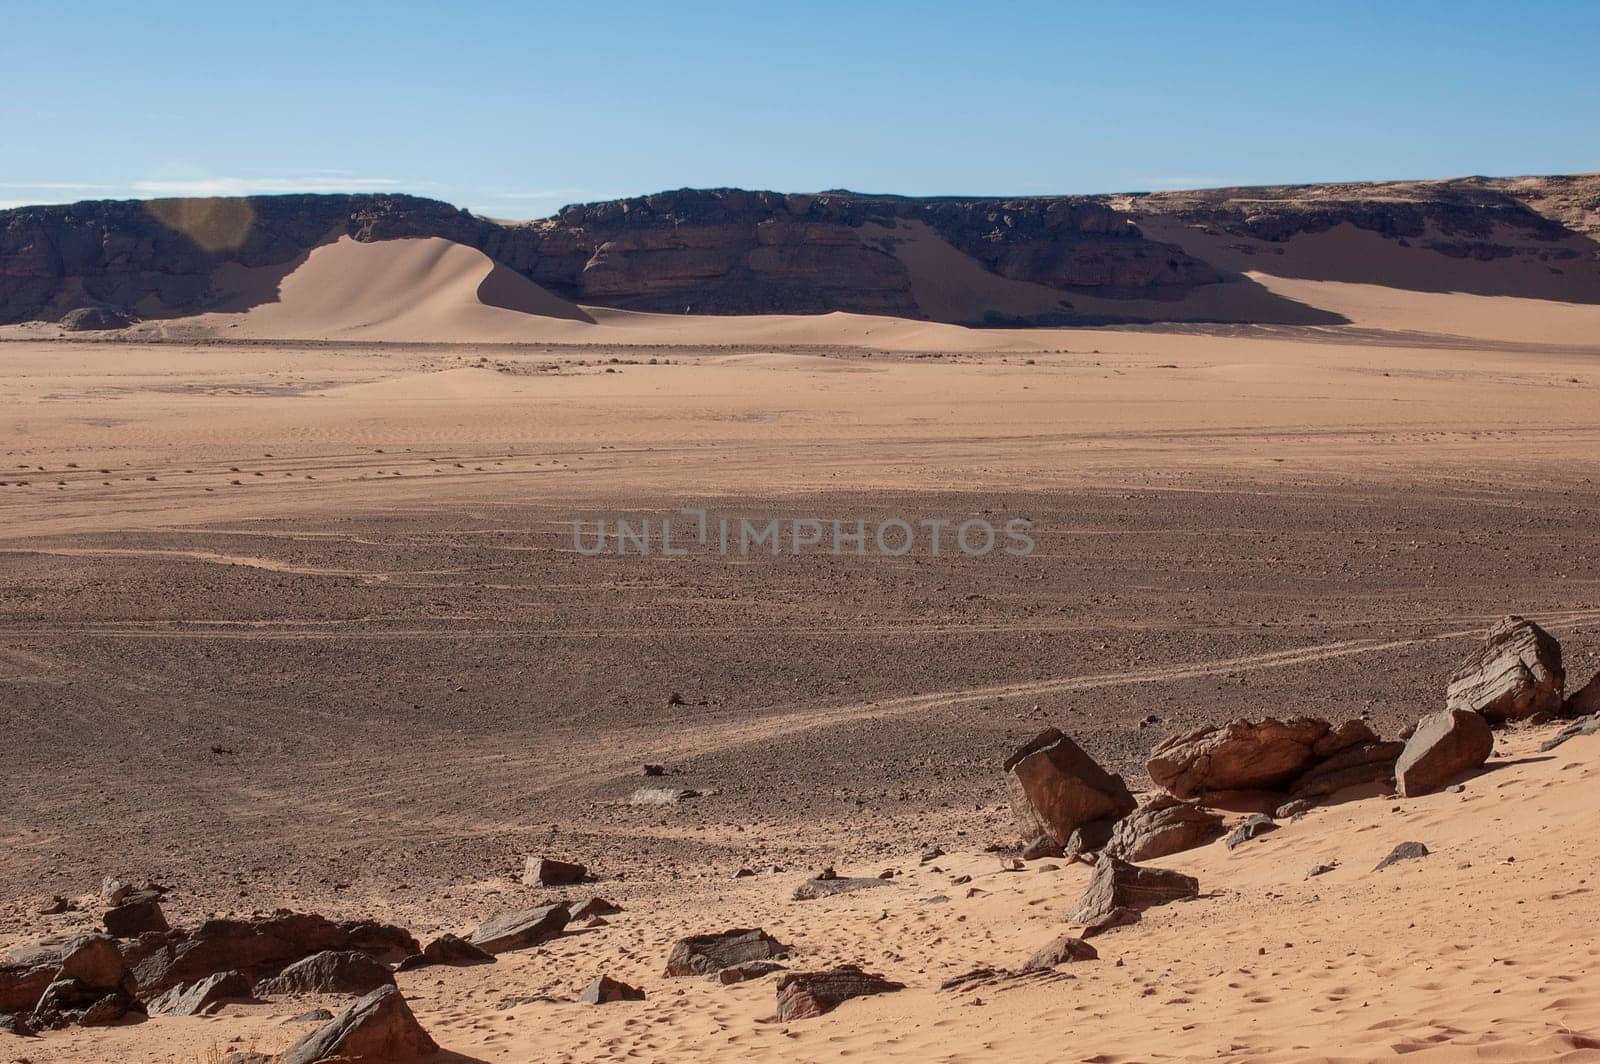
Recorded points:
(329, 972)
(1055, 788)
(1516, 673)
(1445, 747)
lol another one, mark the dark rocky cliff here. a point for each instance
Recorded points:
(726, 251)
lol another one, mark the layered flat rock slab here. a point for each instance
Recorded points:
(1446, 746)
(1589, 725)
(829, 886)
(329, 972)
(1242, 755)
(378, 1029)
(1055, 788)
(743, 973)
(1516, 673)
(1119, 886)
(1163, 826)
(205, 996)
(705, 954)
(520, 930)
(803, 995)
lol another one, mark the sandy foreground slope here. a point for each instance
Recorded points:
(294, 533)
(1484, 950)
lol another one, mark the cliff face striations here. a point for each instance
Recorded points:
(1033, 260)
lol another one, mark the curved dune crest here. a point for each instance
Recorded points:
(418, 289)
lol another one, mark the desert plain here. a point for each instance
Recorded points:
(292, 616)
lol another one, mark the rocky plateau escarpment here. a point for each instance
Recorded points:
(1041, 259)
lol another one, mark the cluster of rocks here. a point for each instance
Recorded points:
(1067, 805)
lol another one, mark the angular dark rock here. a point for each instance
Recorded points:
(70, 1001)
(1054, 788)
(802, 995)
(1294, 808)
(704, 954)
(201, 997)
(1163, 826)
(88, 962)
(1063, 950)
(329, 972)
(595, 906)
(1120, 885)
(311, 1016)
(548, 872)
(606, 989)
(1406, 851)
(1589, 725)
(1240, 755)
(1445, 747)
(17, 1023)
(1516, 673)
(1586, 702)
(258, 947)
(447, 950)
(136, 915)
(1363, 764)
(377, 1029)
(519, 930)
(1253, 827)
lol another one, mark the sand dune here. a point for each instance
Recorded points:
(412, 290)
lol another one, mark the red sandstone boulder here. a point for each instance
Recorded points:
(1055, 789)
(802, 995)
(1240, 755)
(1163, 826)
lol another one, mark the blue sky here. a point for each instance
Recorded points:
(513, 109)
